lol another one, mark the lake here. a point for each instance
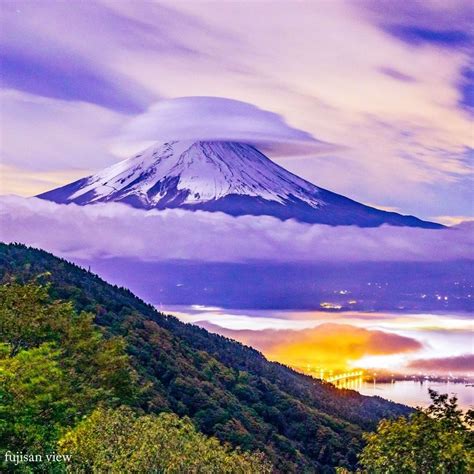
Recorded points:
(412, 393)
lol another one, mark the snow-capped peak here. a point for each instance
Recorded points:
(197, 172)
(228, 177)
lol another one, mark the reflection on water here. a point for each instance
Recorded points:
(410, 392)
(352, 383)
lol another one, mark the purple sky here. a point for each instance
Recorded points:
(388, 82)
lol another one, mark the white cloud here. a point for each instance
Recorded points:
(217, 118)
(108, 230)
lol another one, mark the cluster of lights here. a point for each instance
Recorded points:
(327, 305)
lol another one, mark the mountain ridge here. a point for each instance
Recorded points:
(234, 178)
(229, 390)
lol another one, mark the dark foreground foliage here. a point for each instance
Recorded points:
(56, 367)
(436, 440)
(228, 390)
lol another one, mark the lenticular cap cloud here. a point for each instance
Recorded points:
(221, 119)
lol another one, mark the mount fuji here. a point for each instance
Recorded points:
(234, 178)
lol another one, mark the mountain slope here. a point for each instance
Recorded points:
(229, 390)
(234, 178)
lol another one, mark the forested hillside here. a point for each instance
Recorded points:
(230, 391)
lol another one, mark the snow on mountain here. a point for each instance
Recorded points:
(200, 171)
(220, 176)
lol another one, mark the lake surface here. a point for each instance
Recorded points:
(414, 393)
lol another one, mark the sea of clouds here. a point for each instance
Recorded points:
(111, 230)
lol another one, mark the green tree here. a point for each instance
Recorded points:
(28, 318)
(32, 402)
(436, 440)
(118, 441)
(55, 366)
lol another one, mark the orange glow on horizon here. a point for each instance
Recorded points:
(328, 347)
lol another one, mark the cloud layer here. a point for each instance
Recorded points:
(220, 119)
(332, 346)
(108, 230)
(462, 364)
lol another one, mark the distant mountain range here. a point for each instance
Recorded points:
(234, 178)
